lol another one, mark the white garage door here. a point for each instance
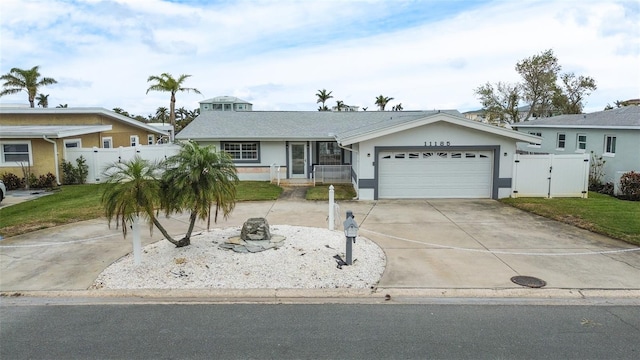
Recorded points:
(435, 174)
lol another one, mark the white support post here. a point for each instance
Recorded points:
(137, 243)
(331, 208)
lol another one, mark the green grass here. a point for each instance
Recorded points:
(257, 191)
(341, 192)
(603, 214)
(73, 203)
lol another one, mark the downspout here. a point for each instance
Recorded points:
(55, 157)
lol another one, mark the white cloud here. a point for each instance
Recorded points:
(277, 54)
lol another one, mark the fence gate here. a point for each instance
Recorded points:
(551, 175)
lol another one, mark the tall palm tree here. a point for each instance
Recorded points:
(167, 83)
(382, 101)
(43, 100)
(323, 96)
(132, 191)
(28, 80)
(162, 113)
(196, 179)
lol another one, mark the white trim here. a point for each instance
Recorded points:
(134, 140)
(15, 163)
(72, 141)
(106, 138)
(456, 120)
(305, 159)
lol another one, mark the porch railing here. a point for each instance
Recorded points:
(334, 174)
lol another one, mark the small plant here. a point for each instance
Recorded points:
(75, 174)
(630, 185)
(12, 181)
(596, 172)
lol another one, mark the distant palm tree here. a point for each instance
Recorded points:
(196, 179)
(323, 96)
(397, 107)
(28, 80)
(161, 114)
(340, 105)
(382, 101)
(43, 100)
(167, 83)
(62, 106)
(182, 112)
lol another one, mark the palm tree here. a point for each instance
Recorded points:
(323, 96)
(28, 80)
(43, 100)
(132, 191)
(196, 179)
(340, 105)
(397, 107)
(62, 106)
(161, 114)
(167, 83)
(382, 101)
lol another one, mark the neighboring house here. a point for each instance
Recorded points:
(408, 154)
(613, 134)
(225, 103)
(39, 138)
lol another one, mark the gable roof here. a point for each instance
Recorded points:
(50, 131)
(627, 117)
(344, 127)
(81, 111)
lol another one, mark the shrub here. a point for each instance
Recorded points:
(630, 185)
(12, 181)
(75, 174)
(45, 182)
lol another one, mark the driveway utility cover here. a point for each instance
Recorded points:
(528, 281)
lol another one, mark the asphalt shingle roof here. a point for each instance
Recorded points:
(294, 124)
(627, 116)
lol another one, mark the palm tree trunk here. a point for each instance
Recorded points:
(163, 231)
(137, 242)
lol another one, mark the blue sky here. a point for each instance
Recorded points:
(278, 54)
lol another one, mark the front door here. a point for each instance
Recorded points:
(298, 158)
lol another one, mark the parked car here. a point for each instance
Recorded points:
(3, 190)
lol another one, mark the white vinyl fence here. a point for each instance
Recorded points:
(551, 175)
(97, 158)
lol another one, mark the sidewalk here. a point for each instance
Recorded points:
(434, 248)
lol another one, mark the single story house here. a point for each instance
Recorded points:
(39, 137)
(405, 154)
(612, 134)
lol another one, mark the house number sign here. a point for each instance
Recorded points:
(437, 143)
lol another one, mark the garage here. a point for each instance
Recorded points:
(412, 174)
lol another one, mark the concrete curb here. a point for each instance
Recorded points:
(380, 295)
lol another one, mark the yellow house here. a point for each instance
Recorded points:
(39, 137)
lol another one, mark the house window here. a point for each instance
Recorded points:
(72, 143)
(582, 142)
(16, 152)
(227, 107)
(536, 134)
(150, 139)
(107, 142)
(561, 142)
(134, 140)
(609, 144)
(217, 107)
(329, 153)
(244, 151)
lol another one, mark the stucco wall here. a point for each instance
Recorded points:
(433, 134)
(626, 158)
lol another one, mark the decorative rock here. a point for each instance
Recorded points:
(255, 229)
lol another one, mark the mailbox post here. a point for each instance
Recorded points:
(351, 232)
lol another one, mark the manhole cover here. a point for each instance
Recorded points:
(529, 281)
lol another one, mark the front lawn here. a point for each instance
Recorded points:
(340, 192)
(603, 214)
(72, 203)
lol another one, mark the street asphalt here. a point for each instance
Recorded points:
(434, 248)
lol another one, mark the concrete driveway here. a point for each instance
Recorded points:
(430, 244)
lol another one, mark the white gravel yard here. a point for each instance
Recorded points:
(306, 260)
